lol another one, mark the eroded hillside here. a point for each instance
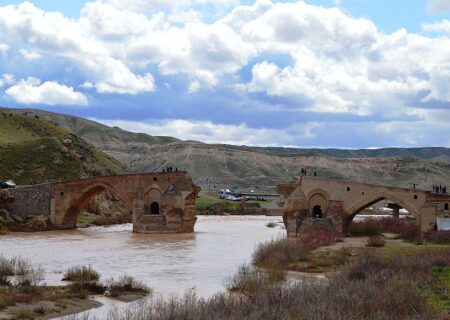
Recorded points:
(249, 166)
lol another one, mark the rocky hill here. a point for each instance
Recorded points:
(34, 150)
(216, 165)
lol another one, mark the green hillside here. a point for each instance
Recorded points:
(33, 150)
(95, 133)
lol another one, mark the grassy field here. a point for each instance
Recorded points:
(33, 150)
(206, 202)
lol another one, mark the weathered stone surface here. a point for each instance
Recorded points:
(340, 201)
(32, 200)
(172, 193)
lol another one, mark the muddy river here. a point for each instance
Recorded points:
(167, 263)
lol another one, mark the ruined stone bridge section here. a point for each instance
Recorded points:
(161, 202)
(335, 203)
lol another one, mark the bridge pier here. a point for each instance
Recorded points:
(395, 210)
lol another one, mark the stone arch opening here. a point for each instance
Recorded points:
(376, 205)
(446, 206)
(95, 204)
(317, 212)
(154, 208)
(318, 205)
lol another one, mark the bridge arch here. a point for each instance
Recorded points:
(370, 200)
(83, 197)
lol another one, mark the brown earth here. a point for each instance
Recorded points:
(250, 166)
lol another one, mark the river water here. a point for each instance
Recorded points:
(170, 264)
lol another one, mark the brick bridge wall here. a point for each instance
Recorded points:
(32, 200)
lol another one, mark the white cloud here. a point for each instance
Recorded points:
(6, 79)
(333, 62)
(438, 6)
(309, 134)
(112, 76)
(339, 63)
(33, 91)
(442, 26)
(439, 80)
(30, 56)
(210, 132)
(4, 48)
(53, 35)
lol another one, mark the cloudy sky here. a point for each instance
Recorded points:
(317, 73)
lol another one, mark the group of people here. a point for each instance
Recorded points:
(304, 172)
(439, 188)
(170, 169)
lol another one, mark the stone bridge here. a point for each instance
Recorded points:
(336, 203)
(161, 202)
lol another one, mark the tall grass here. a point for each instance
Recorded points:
(81, 274)
(125, 284)
(22, 271)
(84, 280)
(439, 237)
(247, 280)
(371, 227)
(372, 287)
(281, 253)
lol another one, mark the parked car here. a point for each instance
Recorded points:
(234, 197)
(7, 185)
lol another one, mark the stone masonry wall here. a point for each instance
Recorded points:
(32, 200)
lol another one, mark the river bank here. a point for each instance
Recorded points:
(397, 281)
(197, 268)
(169, 264)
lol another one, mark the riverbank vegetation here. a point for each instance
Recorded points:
(23, 296)
(372, 286)
(399, 280)
(407, 230)
(208, 205)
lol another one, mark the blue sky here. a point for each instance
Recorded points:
(323, 73)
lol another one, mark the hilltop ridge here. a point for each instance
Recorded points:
(218, 164)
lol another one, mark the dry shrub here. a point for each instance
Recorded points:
(247, 280)
(372, 227)
(27, 277)
(84, 280)
(385, 289)
(81, 274)
(439, 237)
(376, 241)
(19, 298)
(125, 284)
(315, 237)
(366, 228)
(279, 253)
